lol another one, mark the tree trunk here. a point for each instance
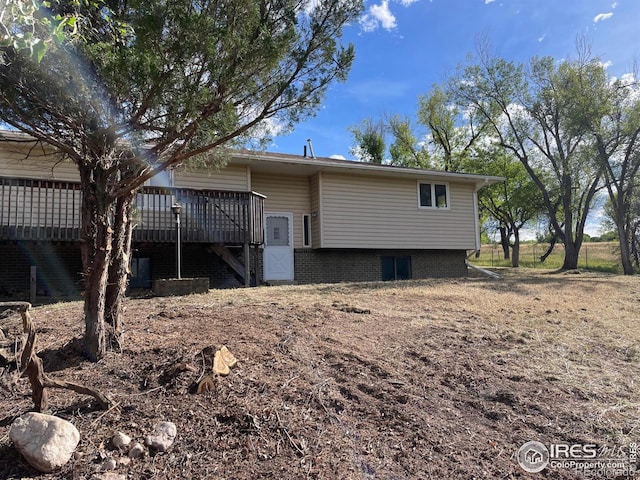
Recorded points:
(95, 288)
(96, 255)
(119, 270)
(504, 241)
(625, 252)
(634, 234)
(620, 202)
(571, 242)
(515, 249)
(552, 244)
(571, 255)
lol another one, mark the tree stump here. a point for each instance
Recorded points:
(28, 362)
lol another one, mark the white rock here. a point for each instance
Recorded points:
(109, 476)
(120, 440)
(46, 442)
(136, 451)
(164, 433)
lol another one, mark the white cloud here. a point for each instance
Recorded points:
(606, 64)
(487, 2)
(336, 156)
(378, 15)
(406, 3)
(541, 38)
(602, 17)
(614, 5)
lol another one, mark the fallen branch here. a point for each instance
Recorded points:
(30, 364)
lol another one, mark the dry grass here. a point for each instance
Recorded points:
(581, 330)
(417, 379)
(595, 256)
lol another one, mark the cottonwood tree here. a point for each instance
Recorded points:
(537, 113)
(461, 139)
(369, 141)
(512, 203)
(143, 85)
(406, 149)
(454, 129)
(634, 226)
(618, 152)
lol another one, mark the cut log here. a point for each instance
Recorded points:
(219, 367)
(228, 357)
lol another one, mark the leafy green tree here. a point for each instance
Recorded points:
(618, 152)
(35, 32)
(513, 203)
(539, 115)
(369, 141)
(149, 84)
(454, 130)
(406, 150)
(634, 226)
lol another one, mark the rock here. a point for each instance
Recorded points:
(120, 440)
(162, 437)
(137, 451)
(46, 442)
(109, 476)
(110, 464)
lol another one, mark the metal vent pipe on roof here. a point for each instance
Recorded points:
(310, 148)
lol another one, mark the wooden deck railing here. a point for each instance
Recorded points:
(50, 210)
(207, 216)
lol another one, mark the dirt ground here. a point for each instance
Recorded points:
(410, 380)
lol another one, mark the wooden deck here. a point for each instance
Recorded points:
(47, 210)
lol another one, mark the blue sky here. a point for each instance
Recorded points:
(403, 47)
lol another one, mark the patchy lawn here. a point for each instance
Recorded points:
(421, 379)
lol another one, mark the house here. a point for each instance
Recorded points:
(263, 218)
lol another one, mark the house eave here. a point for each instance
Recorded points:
(296, 164)
(293, 164)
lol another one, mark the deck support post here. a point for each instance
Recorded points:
(33, 284)
(247, 265)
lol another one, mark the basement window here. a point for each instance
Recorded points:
(433, 195)
(396, 267)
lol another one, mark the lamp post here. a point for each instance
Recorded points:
(176, 208)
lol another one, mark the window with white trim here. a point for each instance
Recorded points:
(433, 195)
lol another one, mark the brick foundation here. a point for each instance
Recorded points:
(330, 266)
(59, 266)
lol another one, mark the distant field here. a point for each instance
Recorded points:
(603, 257)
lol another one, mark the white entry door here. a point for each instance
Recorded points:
(278, 246)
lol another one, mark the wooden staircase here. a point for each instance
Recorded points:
(241, 271)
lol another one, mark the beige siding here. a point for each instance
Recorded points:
(316, 214)
(20, 162)
(231, 177)
(285, 194)
(376, 212)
